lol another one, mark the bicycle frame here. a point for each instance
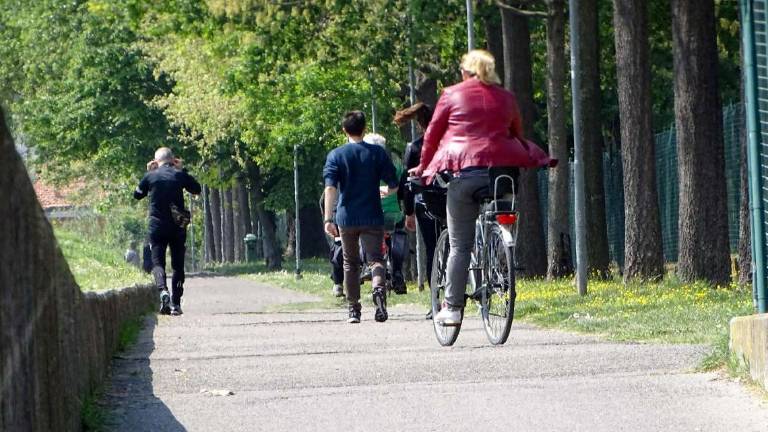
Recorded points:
(485, 220)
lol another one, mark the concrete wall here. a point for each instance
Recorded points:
(749, 342)
(55, 342)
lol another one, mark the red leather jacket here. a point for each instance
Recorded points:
(477, 125)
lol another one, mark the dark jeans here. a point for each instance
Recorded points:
(428, 228)
(337, 263)
(370, 238)
(160, 239)
(397, 244)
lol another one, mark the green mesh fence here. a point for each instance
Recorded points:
(668, 188)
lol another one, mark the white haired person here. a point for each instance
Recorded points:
(394, 220)
(165, 182)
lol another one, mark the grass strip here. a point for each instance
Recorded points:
(95, 265)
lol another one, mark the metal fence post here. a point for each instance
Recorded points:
(753, 156)
(578, 153)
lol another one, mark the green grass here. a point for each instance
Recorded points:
(93, 417)
(663, 312)
(96, 265)
(129, 333)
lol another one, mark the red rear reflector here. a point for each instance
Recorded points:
(506, 219)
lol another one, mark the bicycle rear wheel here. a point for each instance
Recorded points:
(498, 293)
(446, 335)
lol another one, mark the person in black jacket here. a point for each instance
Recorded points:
(165, 182)
(413, 205)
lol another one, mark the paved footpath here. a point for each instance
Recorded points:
(226, 365)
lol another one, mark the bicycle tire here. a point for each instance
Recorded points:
(446, 335)
(498, 294)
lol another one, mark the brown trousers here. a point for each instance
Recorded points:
(370, 238)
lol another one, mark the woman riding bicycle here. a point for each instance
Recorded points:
(476, 125)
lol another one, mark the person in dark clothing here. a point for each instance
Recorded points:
(336, 259)
(165, 182)
(146, 257)
(353, 172)
(413, 204)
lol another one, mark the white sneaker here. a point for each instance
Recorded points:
(338, 291)
(449, 316)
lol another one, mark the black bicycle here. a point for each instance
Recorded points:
(491, 282)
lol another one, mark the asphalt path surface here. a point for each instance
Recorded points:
(227, 365)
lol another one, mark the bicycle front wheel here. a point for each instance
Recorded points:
(446, 335)
(498, 293)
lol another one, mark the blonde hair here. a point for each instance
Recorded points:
(481, 64)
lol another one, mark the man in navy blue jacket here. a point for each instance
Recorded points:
(353, 172)
(165, 181)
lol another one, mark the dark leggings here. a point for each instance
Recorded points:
(160, 240)
(337, 263)
(428, 228)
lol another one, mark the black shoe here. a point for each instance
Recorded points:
(429, 314)
(354, 314)
(398, 284)
(366, 275)
(380, 303)
(165, 302)
(176, 310)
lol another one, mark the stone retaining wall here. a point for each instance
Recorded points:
(749, 342)
(56, 342)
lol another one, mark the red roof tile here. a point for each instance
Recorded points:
(54, 197)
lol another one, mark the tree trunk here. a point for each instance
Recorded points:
(495, 40)
(313, 242)
(210, 244)
(238, 226)
(272, 255)
(255, 218)
(592, 139)
(703, 228)
(215, 205)
(643, 257)
(290, 227)
(560, 263)
(246, 207)
(228, 233)
(518, 78)
(745, 232)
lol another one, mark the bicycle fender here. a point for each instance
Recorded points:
(507, 236)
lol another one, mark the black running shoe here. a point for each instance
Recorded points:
(398, 284)
(380, 303)
(354, 314)
(165, 302)
(366, 275)
(176, 310)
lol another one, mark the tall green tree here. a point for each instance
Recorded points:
(558, 226)
(591, 136)
(642, 237)
(703, 228)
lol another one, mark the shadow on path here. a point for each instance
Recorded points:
(132, 389)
